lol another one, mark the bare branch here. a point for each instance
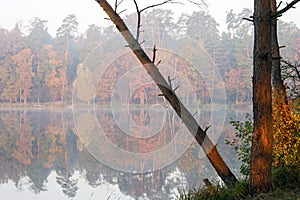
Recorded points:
(293, 67)
(170, 82)
(291, 76)
(195, 113)
(286, 8)
(176, 88)
(160, 4)
(279, 4)
(198, 4)
(120, 2)
(122, 11)
(206, 128)
(250, 20)
(138, 12)
(117, 4)
(154, 54)
(158, 63)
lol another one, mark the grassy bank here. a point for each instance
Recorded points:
(286, 186)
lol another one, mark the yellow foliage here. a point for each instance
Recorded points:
(286, 127)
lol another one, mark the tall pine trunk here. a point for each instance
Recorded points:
(261, 150)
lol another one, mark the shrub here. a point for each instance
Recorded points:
(286, 134)
(242, 142)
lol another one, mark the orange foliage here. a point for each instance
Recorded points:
(286, 127)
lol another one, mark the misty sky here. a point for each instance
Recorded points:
(88, 11)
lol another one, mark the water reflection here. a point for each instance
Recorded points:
(42, 157)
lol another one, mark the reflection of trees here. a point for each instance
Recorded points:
(67, 183)
(91, 168)
(9, 133)
(23, 151)
(51, 145)
(38, 175)
(11, 169)
(159, 184)
(32, 149)
(66, 160)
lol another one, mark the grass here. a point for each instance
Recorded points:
(240, 192)
(286, 186)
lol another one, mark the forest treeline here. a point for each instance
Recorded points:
(36, 67)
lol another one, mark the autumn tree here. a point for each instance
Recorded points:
(85, 85)
(9, 82)
(204, 29)
(23, 61)
(50, 65)
(235, 54)
(69, 55)
(89, 40)
(37, 38)
(11, 43)
(235, 85)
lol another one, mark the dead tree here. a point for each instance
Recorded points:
(169, 93)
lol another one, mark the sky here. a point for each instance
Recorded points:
(88, 11)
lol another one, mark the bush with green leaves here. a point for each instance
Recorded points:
(242, 142)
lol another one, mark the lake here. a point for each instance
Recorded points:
(105, 153)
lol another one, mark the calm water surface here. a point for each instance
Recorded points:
(42, 156)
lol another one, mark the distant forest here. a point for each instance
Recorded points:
(36, 67)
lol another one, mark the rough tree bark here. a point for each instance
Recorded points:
(261, 150)
(279, 93)
(199, 134)
(265, 37)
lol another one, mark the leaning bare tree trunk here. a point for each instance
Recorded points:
(200, 135)
(261, 151)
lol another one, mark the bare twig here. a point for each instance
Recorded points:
(293, 67)
(286, 8)
(160, 4)
(117, 4)
(198, 4)
(154, 54)
(250, 20)
(176, 88)
(170, 82)
(122, 11)
(195, 113)
(158, 63)
(138, 12)
(291, 75)
(206, 128)
(279, 4)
